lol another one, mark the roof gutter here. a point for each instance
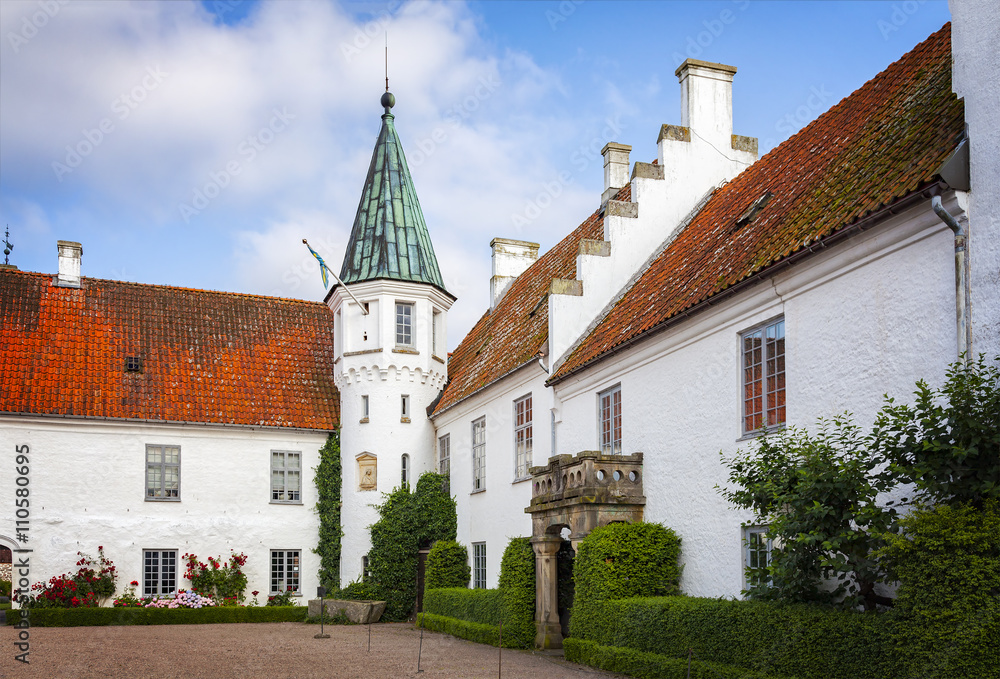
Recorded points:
(174, 423)
(962, 291)
(861, 225)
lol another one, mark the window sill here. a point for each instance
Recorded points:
(162, 499)
(437, 358)
(286, 502)
(405, 350)
(404, 420)
(476, 492)
(757, 433)
(363, 420)
(520, 479)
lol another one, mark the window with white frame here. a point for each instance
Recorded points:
(404, 408)
(404, 324)
(284, 570)
(479, 565)
(522, 436)
(364, 407)
(479, 454)
(163, 472)
(286, 476)
(435, 331)
(404, 469)
(609, 417)
(159, 572)
(756, 557)
(764, 377)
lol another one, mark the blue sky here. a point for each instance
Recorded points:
(197, 143)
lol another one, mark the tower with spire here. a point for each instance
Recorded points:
(390, 345)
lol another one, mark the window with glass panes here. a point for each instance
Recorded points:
(757, 555)
(764, 377)
(404, 324)
(286, 476)
(159, 572)
(609, 411)
(479, 565)
(444, 455)
(284, 570)
(479, 454)
(522, 436)
(163, 472)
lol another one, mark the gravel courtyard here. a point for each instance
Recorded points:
(269, 650)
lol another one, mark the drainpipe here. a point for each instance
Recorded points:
(961, 279)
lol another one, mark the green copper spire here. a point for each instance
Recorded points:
(389, 238)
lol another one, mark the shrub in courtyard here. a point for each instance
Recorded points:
(627, 559)
(517, 593)
(447, 566)
(218, 579)
(94, 582)
(4, 588)
(947, 561)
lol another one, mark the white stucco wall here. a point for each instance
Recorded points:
(496, 514)
(869, 317)
(87, 481)
(976, 79)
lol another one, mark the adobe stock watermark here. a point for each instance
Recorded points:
(565, 11)
(454, 116)
(695, 45)
(30, 25)
(21, 563)
(901, 13)
(372, 30)
(818, 100)
(122, 105)
(251, 146)
(581, 158)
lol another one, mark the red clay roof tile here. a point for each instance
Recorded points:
(211, 357)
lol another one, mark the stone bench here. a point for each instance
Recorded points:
(359, 612)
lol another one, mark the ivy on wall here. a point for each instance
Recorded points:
(327, 478)
(407, 522)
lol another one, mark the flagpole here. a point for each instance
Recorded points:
(364, 310)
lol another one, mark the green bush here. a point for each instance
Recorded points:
(517, 590)
(483, 606)
(4, 588)
(447, 566)
(356, 591)
(328, 481)
(947, 560)
(801, 640)
(624, 560)
(407, 521)
(85, 617)
(645, 665)
(473, 631)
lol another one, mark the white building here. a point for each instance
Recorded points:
(710, 294)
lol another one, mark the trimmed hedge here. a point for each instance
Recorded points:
(806, 641)
(947, 559)
(447, 566)
(517, 589)
(481, 606)
(86, 617)
(627, 559)
(645, 665)
(463, 629)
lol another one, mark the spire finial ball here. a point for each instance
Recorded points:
(388, 101)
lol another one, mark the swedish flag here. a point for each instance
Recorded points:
(322, 265)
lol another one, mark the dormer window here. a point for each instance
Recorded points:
(133, 364)
(404, 324)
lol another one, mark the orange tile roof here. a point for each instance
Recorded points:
(210, 357)
(880, 144)
(513, 333)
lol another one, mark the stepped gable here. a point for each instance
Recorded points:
(205, 357)
(389, 238)
(516, 330)
(883, 142)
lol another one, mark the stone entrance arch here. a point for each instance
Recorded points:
(579, 492)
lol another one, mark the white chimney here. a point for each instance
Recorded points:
(707, 100)
(615, 169)
(510, 259)
(70, 254)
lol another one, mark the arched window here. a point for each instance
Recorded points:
(404, 469)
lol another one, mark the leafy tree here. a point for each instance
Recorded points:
(948, 442)
(818, 496)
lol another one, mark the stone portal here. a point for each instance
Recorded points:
(579, 493)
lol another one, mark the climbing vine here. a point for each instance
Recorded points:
(328, 484)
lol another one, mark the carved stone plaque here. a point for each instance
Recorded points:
(367, 471)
